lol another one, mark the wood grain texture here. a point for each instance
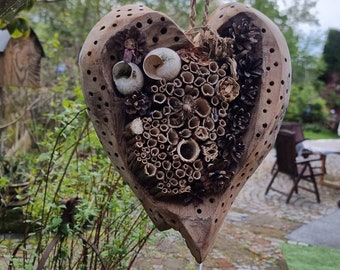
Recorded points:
(21, 62)
(198, 223)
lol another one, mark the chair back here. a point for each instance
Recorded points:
(296, 127)
(285, 145)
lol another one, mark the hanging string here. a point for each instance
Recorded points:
(205, 14)
(192, 15)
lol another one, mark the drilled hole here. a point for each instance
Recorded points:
(164, 30)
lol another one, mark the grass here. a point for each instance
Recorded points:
(300, 257)
(320, 134)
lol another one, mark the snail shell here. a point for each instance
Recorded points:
(162, 63)
(128, 77)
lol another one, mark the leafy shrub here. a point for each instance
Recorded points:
(87, 217)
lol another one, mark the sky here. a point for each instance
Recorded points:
(328, 14)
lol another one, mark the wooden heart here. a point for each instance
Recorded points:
(187, 142)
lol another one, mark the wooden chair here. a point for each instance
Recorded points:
(298, 170)
(296, 127)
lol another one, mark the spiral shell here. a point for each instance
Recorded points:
(162, 63)
(128, 77)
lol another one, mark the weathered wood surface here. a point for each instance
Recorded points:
(20, 63)
(198, 223)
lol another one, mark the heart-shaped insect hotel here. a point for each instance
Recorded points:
(186, 122)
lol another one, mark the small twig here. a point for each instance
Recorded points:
(22, 114)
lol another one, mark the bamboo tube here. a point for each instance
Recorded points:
(172, 137)
(207, 90)
(155, 123)
(182, 183)
(185, 133)
(154, 151)
(199, 81)
(166, 111)
(163, 128)
(154, 132)
(159, 98)
(184, 189)
(162, 139)
(198, 165)
(156, 115)
(204, 71)
(169, 174)
(151, 143)
(177, 82)
(201, 133)
(179, 92)
(214, 101)
(203, 107)
(180, 173)
(162, 156)
(208, 123)
(154, 88)
(220, 131)
(212, 79)
(188, 150)
(212, 136)
(193, 122)
(170, 88)
(176, 164)
(213, 67)
(166, 164)
(187, 77)
(150, 170)
(196, 175)
(173, 182)
(221, 73)
(194, 68)
(160, 175)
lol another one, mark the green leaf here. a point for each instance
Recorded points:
(19, 27)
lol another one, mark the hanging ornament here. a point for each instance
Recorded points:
(186, 143)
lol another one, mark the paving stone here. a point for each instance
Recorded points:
(253, 230)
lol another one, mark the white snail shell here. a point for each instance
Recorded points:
(162, 63)
(128, 77)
